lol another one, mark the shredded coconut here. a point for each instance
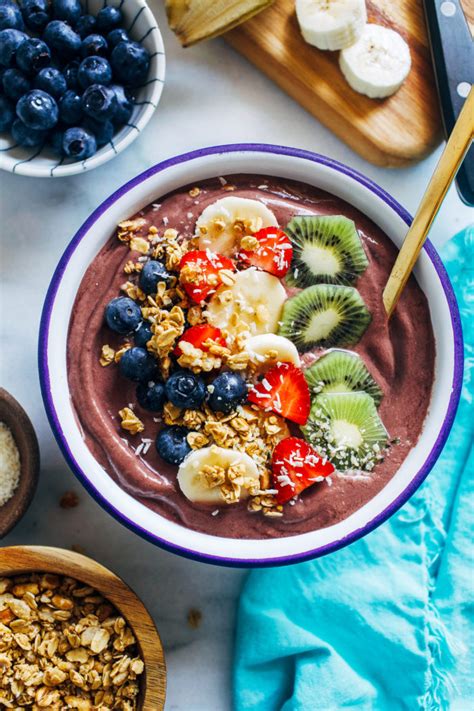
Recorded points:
(9, 464)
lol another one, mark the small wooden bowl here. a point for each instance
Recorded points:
(14, 416)
(19, 560)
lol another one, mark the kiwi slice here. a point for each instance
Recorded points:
(327, 249)
(347, 429)
(324, 316)
(341, 371)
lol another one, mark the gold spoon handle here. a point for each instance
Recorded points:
(451, 158)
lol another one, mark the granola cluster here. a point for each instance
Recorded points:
(63, 646)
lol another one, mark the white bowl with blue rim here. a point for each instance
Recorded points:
(191, 168)
(141, 26)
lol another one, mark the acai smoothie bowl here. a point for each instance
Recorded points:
(218, 367)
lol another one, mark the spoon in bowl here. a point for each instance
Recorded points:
(451, 158)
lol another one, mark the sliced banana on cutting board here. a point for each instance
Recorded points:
(225, 221)
(267, 349)
(331, 24)
(254, 300)
(202, 470)
(378, 63)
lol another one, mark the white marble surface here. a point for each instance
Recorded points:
(211, 96)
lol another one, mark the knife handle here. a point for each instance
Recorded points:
(452, 50)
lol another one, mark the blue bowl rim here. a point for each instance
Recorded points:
(44, 373)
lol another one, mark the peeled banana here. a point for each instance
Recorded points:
(267, 349)
(224, 222)
(331, 24)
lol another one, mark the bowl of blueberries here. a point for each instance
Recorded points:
(79, 80)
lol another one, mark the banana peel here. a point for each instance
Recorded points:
(196, 20)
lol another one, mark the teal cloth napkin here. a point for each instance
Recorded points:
(384, 624)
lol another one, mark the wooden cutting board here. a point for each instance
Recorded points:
(395, 131)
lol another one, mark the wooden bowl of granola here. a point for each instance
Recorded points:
(96, 656)
(21, 434)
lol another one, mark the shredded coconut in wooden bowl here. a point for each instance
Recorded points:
(9, 464)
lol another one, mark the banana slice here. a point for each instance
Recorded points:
(378, 63)
(267, 349)
(204, 472)
(223, 222)
(331, 24)
(252, 305)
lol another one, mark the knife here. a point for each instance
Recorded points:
(452, 51)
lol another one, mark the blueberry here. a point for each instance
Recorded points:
(152, 273)
(151, 396)
(10, 41)
(67, 10)
(137, 364)
(25, 136)
(33, 55)
(185, 389)
(14, 83)
(122, 315)
(228, 391)
(70, 75)
(94, 45)
(124, 105)
(99, 102)
(51, 81)
(102, 130)
(78, 143)
(35, 14)
(172, 444)
(38, 110)
(143, 334)
(85, 25)
(130, 62)
(55, 140)
(108, 19)
(10, 17)
(62, 38)
(94, 70)
(7, 113)
(116, 36)
(70, 108)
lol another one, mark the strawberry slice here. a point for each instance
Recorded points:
(273, 253)
(198, 335)
(199, 273)
(295, 467)
(285, 391)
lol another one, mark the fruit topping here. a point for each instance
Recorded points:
(222, 224)
(347, 429)
(151, 396)
(378, 63)
(324, 316)
(331, 24)
(130, 62)
(122, 315)
(10, 16)
(32, 55)
(214, 475)
(25, 136)
(51, 81)
(200, 336)
(14, 83)
(269, 249)
(341, 371)
(327, 249)
(143, 334)
(94, 70)
(10, 41)
(267, 349)
(172, 444)
(152, 273)
(226, 392)
(285, 391)
(99, 102)
(253, 303)
(35, 14)
(137, 364)
(62, 39)
(185, 389)
(200, 273)
(79, 143)
(108, 19)
(295, 467)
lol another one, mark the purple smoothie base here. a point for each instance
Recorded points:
(45, 378)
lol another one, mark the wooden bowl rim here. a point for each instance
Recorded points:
(19, 423)
(20, 560)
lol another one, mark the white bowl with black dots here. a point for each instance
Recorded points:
(142, 27)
